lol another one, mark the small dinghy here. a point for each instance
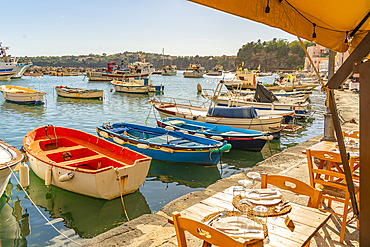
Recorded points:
(9, 157)
(70, 92)
(22, 95)
(242, 139)
(83, 163)
(162, 144)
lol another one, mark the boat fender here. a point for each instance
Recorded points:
(170, 128)
(168, 150)
(224, 148)
(142, 146)
(66, 177)
(104, 134)
(184, 131)
(118, 140)
(210, 120)
(200, 135)
(267, 137)
(24, 175)
(48, 174)
(191, 117)
(217, 138)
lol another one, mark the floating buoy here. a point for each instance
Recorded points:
(111, 89)
(65, 177)
(24, 175)
(170, 128)
(48, 176)
(199, 88)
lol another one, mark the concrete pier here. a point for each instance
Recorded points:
(154, 230)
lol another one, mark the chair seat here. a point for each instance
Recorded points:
(334, 191)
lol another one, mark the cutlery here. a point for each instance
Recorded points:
(220, 215)
(279, 207)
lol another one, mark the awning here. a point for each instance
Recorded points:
(327, 22)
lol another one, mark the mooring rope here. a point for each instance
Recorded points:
(29, 198)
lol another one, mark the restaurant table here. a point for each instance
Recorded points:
(307, 221)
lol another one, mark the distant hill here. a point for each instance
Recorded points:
(271, 55)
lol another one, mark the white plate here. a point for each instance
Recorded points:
(266, 202)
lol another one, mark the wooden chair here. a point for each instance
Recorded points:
(294, 185)
(210, 235)
(351, 134)
(332, 181)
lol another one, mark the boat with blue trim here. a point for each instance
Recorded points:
(242, 139)
(165, 145)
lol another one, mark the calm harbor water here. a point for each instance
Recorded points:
(80, 217)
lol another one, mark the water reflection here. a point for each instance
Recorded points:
(87, 216)
(79, 101)
(26, 110)
(14, 220)
(190, 175)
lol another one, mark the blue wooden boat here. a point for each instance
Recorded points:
(243, 139)
(162, 144)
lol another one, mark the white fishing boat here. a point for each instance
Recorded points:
(238, 117)
(22, 95)
(10, 157)
(262, 99)
(83, 163)
(194, 71)
(169, 70)
(139, 69)
(216, 71)
(83, 93)
(131, 85)
(11, 64)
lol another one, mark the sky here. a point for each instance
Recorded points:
(80, 27)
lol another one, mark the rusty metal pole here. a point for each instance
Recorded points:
(328, 120)
(364, 154)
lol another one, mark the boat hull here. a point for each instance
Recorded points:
(20, 69)
(10, 157)
(161, 150)
(121, 171)
(263, 124)
(240, 141)
(22, 95)
(192, 74)
(79, 93)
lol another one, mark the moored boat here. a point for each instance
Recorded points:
(22, 95)
(69, 92)
(131, 85)
(11, 64)
(216, 71)
(238, 117)
(169, 70)
(194, 71)
(5, 76)
(83, 163)
(165, 145)
(10, 157)
(242, 139)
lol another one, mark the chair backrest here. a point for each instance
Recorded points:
(201, 231)
(352, 134)
(327, 176)
(294, 185)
